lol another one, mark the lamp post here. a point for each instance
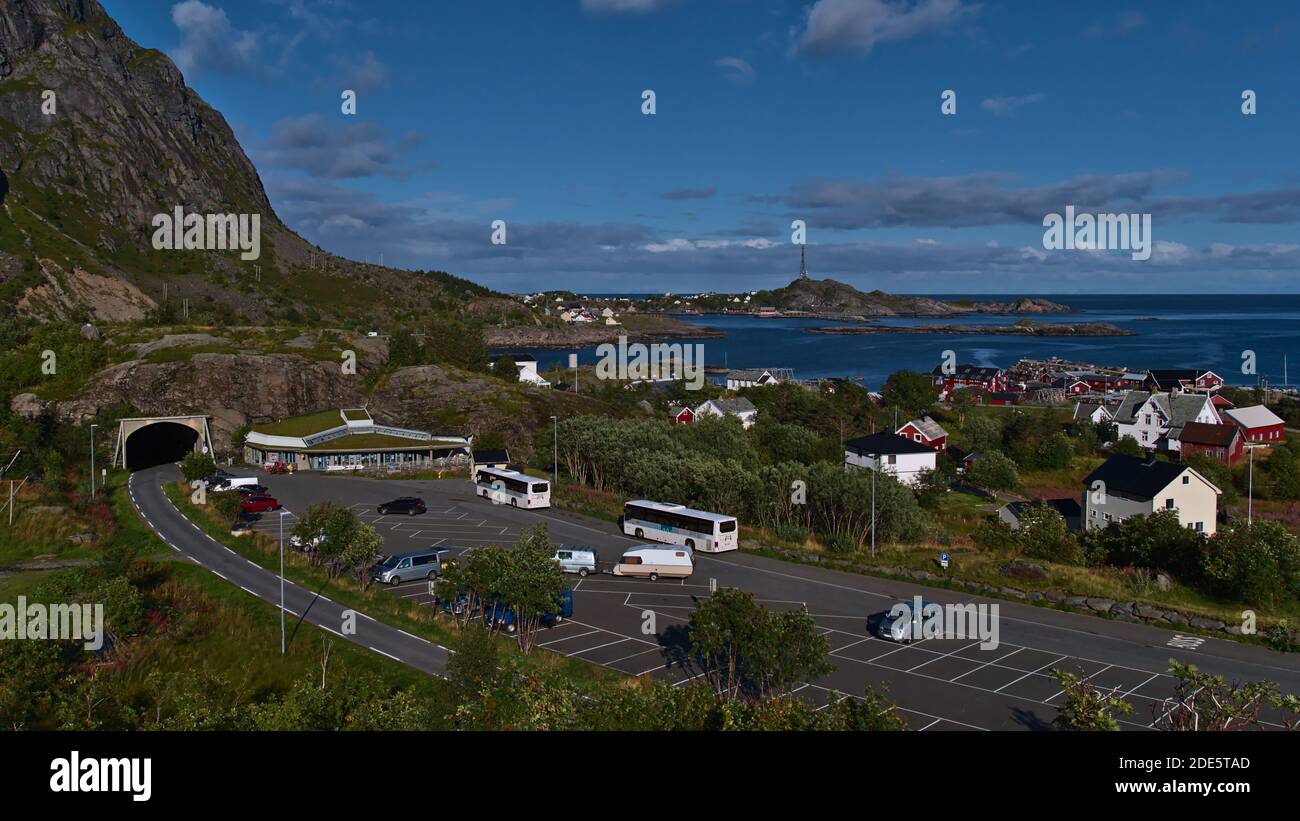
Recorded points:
(555, 452)
(282, 512)
(92, 460)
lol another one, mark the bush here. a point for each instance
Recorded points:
(994, 471)
(839, 543)
(992, 533)
(197, 466)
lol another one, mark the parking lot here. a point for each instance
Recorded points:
(637, 627)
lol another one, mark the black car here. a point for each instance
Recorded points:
(252, 490)
(409, 505)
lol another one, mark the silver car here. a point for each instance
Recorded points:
(417, 564)
(899, 627)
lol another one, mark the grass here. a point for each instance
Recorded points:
(373, 601)
(304, 425)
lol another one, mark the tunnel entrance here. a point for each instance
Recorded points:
(4, 186)
(157, 440)
(159, 444)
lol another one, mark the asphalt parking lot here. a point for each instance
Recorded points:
(637, 627)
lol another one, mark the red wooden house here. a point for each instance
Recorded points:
(1257, 423)
(680, 415)
(990, 379)
(926, 431)
(1224, 443)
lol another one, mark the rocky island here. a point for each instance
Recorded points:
(1021, 328)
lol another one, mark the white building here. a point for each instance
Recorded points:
(749, 379)
(1095, 412)
(742, 409)
(1127, 486)
(1156, 420)
(527, 367)
(890, 453)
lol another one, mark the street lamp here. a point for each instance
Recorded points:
(92, 460)
(282, 513)
(555, 452)
(1250, 484)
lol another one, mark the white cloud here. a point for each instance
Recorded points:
(209, 41)
(1002, 106)
(858, 25)
(734, 68)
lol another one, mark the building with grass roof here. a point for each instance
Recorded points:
(347, 439)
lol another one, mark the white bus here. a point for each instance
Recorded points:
(508, 487)
(676, 524)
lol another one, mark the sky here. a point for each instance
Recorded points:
(765, 112)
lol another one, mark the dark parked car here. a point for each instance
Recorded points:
(253, 490)
(409, 505)
(259, 503)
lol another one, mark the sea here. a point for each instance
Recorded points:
(1221, 333)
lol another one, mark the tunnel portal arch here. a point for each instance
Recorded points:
(154, 440)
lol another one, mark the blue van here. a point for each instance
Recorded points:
(503, 616)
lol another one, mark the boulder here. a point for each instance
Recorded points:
(1021, 569)
(1162, 581)
(28, 405)
(1053, 596)
(87, 537)
(1205, 624)
(89, 331)
(1100, 605)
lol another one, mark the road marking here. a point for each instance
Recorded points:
(1031, 672)
(1182, 642)
(382, 653)
(597, 647)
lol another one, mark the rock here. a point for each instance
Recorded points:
(1054, 596)
(84, 538)
(1121, 612)
(1174, 617)
(1205, 624)
(52, 510)
(1021, 569)
(1162, 581)
(1034, 595)
(27, 405)
(89, 331)
(1146, 611)
(1012, 592)
(1077, 601)
(1100, 605)
(921, 575)
(1233, 629)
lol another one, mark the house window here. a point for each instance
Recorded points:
(1187, 480)
(1169, 504)
(1146, 436)
(891, 459)
(916, 437)
(1147, 418)
(1199, 527)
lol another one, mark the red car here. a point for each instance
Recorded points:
(257, 504)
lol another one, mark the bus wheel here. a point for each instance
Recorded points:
(514, 503)
(640, 534)
(654, 577)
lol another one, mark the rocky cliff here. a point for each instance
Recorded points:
(828, 296)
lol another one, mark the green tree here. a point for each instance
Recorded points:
(1087, 708)
(197, 466)
(1203, 702)
(1129, 446)
(910, 391)
(994, 471)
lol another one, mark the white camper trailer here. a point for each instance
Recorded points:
(653, 562)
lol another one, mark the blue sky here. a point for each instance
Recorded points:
(824, 110)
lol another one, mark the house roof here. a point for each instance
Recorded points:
(741, 405)
(1068, 508)
(1177, 408)
(677, 410)
(929, 428)
(1141, 478)
(1255, 416)
(1173, 377)
(967, 372)
(1199, 433)
(1085, 410)
(884, 442)
(750, 375)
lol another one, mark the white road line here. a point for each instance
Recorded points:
(567, 638)
(382, 653)
(936, 658)
(986, 664)
(597, 647)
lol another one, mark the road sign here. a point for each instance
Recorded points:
(943, 560)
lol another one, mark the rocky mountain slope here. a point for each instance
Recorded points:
(123, 139)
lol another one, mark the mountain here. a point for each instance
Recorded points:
(123, 139)
(828, 296)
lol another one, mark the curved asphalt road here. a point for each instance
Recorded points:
(158, 512)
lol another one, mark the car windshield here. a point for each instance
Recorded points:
(389, 563)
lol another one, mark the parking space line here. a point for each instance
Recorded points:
(936, 658)
(1031, 672)
(987, 664)
(597, 647)
(567, 638)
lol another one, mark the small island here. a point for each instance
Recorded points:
(1024, 327)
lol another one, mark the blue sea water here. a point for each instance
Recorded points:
(1190, 331)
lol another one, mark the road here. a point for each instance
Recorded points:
(938, 683)
(186, 538)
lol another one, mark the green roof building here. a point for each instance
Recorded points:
(347, 439)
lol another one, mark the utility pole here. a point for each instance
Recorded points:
(555, 452)
(92, 460)
(873, 505)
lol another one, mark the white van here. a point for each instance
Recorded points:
(580, 560)
(234, 482)
(653, 562)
